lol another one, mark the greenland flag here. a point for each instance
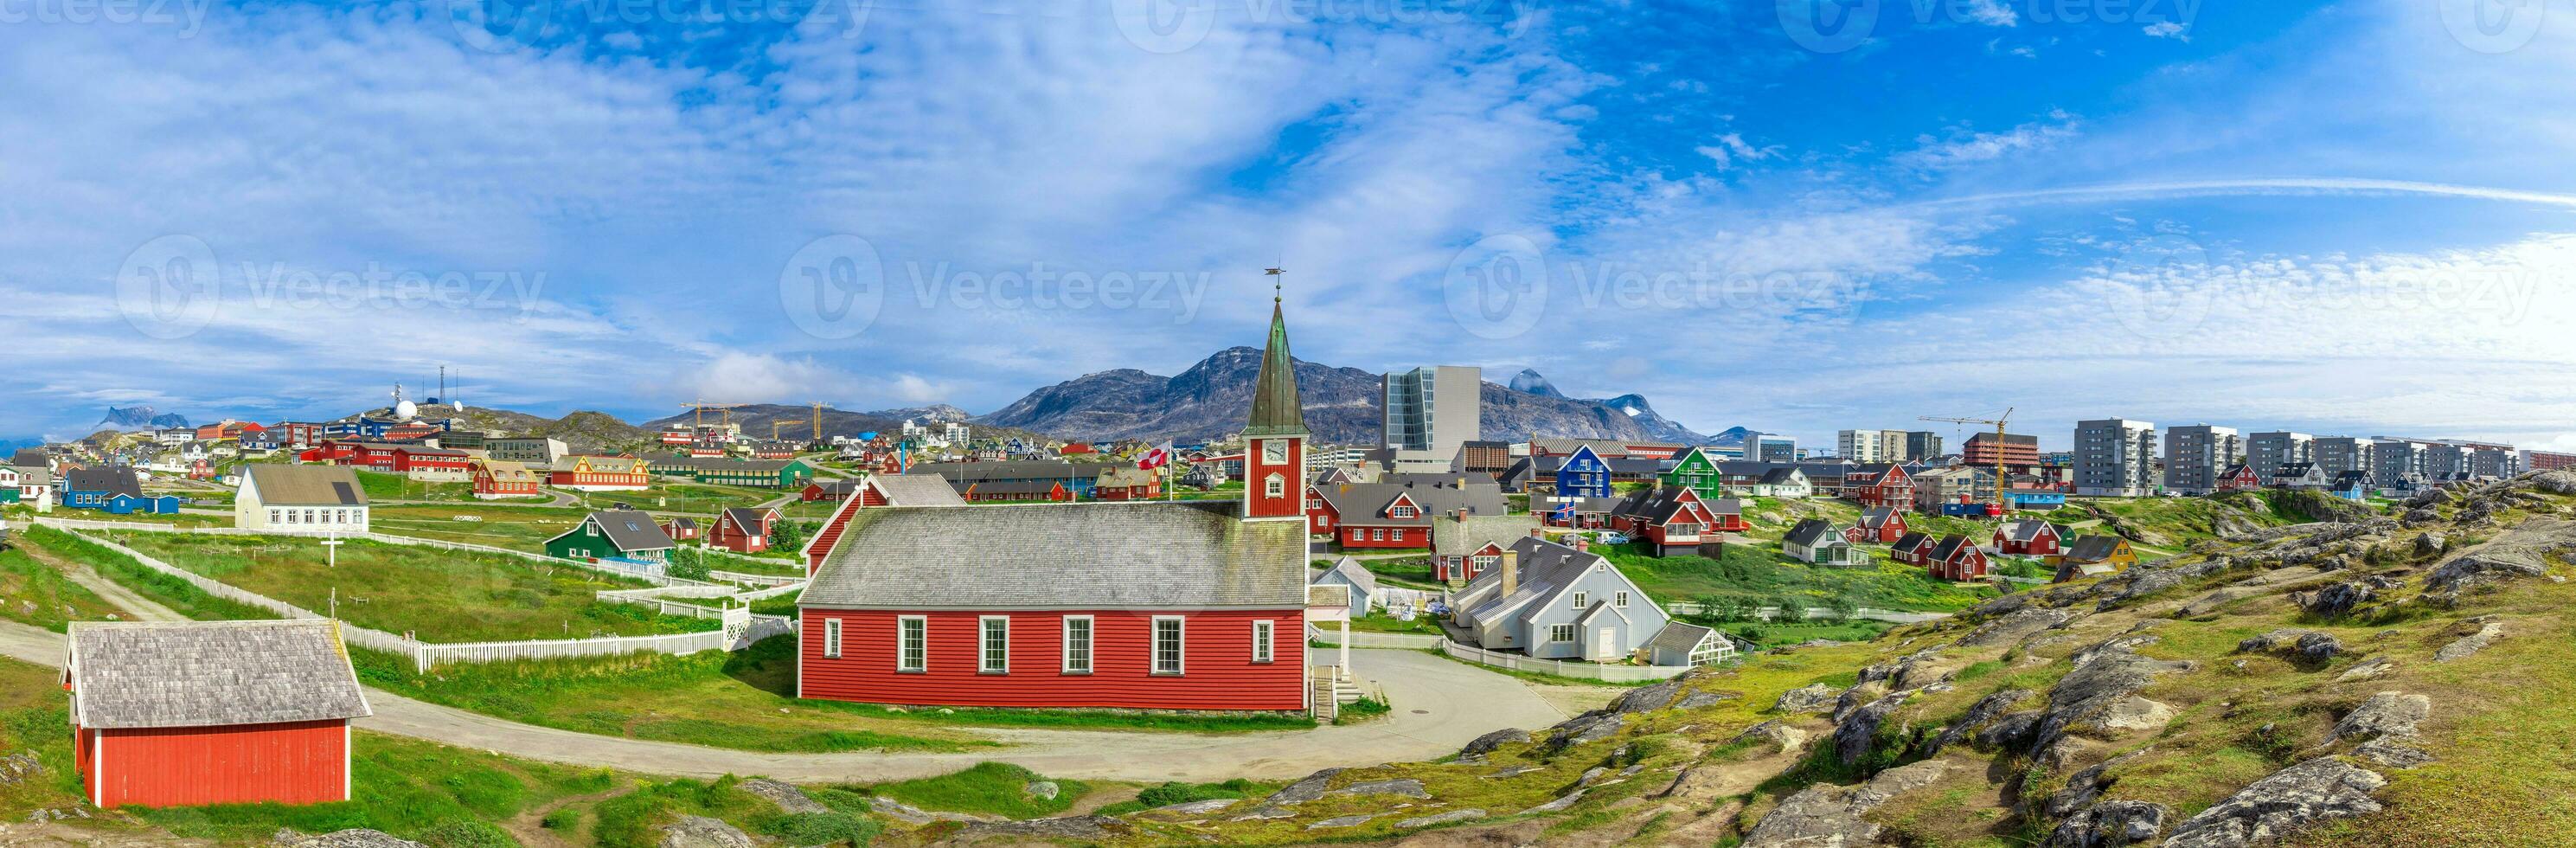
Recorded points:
(1155, 458)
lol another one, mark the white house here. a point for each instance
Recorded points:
(1818, 541)
(317, 499)
(1556, 602)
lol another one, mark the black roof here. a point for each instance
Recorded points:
(114, 480)
(1808, 532)
(2093, 548)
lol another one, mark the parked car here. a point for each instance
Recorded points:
(1611, 537)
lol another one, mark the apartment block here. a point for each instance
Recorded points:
(1429, 413)
(2548, 460)
(2454, 459)
(1871, 445)
(2017, 452)
(1923, 445)
(2196, 454)
(2397, 461)
(2269, 451)
(2342, 454)
(1771, 448)
(2115, 457)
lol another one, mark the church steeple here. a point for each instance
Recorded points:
(1275, 410)
(1274, 455)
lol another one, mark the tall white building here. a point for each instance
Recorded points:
(2269, 451)
(1871, 445)
(2197, 453)
(2115, 457)
(1429, 412)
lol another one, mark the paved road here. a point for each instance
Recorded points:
(1439, 705)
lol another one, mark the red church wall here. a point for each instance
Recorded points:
(1217, 668)
(294, 763)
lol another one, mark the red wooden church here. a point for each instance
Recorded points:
(217, 712)
(1139, 604)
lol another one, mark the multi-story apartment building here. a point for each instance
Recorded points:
(1871, 445)
(2018, 453)
(1922, 445)
(2196, 454)
(2115, 457)
(1771, 448)
(1429, 413)
(2269, 451)
(2400, 461)
(2341, 454)
(2453, 459)
(2548, 460)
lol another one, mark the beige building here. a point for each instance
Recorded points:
(317, 499)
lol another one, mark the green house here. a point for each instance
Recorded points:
(1698, 472)
(614, 534)
(755, 473)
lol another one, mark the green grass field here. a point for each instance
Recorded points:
(32, 592)
(667, 495)
(744, 700)
(441, 595)
(381, 486)
(519, 528)
(1759, 571)
(998, 789)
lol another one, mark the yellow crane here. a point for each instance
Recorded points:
(818, 421)
(722, 409)
(1999, 448)
(774, 424)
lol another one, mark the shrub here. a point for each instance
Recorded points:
(687, 564)
(568, 818)
(833, 828)
(466, 833)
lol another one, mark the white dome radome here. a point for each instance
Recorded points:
(406, 410)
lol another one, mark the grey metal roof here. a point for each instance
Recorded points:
(1808, 532)
(210, 673)
(1366, 503)
(2026, 529)
(629, 529)
(1100, 555)
(916, 490)
(1544, 569)
(114, 480)
(2093, 548)
(307, 485)
(1351, 572)
(1452, 537)
(1877, 516)
(745, 519)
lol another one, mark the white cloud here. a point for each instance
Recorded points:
(1961, 147)
(1731, 149)
(1991, 13)
(2169, 29)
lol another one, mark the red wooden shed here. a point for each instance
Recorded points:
(216, 712)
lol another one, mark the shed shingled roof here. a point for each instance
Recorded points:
(1099, 555)
(210, 673)
(916, 490)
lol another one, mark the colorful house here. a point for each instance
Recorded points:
(1670, 521)
(681, 528)
(1818, 541)
(1880, 485)
(1396, 515)
(495, 479)
(613, 534)
(1077, 478)
(753, 473)
(432, 465)
(1583, 474)
(114, 490)
(2240, 477)
(1699, 472)
(2301, 475)
(1553, 601)
(1957, 557)
(1464, 548)
(2029, 537)
(600, 474)
(211, 712)
(1878, 525)
(1127, 483)
(2094, 556)
(1014, 492)
(1913, 548)
(743, 530)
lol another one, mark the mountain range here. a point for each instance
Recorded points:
(139, 418)
(1342, 406)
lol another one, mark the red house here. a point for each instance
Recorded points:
(2029, 537)
(2239, 478)
(743, 530)
(1878, 524)
(1006, 492)
(878, 490)
(212, 712)
(1670, 520)
(828, 490)
(1396, 515)
(494, 479)
(421, 463)
(1135, 605)
(1956, 557)
(1912, 548)
(681, 528)
(1880, 484)
(1127, 483)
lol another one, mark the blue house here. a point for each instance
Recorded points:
(113, 490)
(2352, 485)
(1583, 475)
(2036, 500)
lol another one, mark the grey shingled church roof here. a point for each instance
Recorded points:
(917, 490)
(210, 673)
(1100, 555)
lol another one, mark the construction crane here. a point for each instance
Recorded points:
(818, 421)
(723, 409)
(1999, 449)
(774, 424)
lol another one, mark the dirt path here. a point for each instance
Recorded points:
(529, 825)
(135, 606)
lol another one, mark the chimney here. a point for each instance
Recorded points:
(1582, 544)
(1511, 572)
(1538, 533)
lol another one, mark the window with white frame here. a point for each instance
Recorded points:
(1077, 644)
(994, 645)
(276, 516)
(1580, 598)
(1403, 512)
(1276, 486)
(1264, 645)
(1619, 600)
(832, 638)
(1167, 646)
(912, 644)
(1560, 633)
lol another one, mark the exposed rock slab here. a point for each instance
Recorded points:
(2488, 630)
(1832, 816)
(1451, 817)
(2384, 714)
(788, 798)
(703, 832)
(2290, 800)
(1805, 699)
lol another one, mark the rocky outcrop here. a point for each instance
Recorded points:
(2102, 692)
(2012, 628)
(2555, 482)
(2520, 554)
(1306, 788)
(2486, 631)
(2308, 648)
(1450, 817)
(1805, 699)
(1402, 787)
(703, 832)
(1779, 734)
(2111, 824)
(1586, 728)
(1983, 715)
(361, 838)
(1646, 698)
(2383, 714)
(1825, 816)
(1074, 828)
(1491, 742)
(1858, 733)
(2290, 800)
(2342, 599)
(788, 798)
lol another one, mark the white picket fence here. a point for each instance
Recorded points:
(739, 628)
(1365, 639)
(756, 579)
(1685, 608)
(1564, 668)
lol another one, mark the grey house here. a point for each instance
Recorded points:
(1555, 602)
(1363, 585)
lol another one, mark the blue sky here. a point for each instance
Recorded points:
(2351, 217)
